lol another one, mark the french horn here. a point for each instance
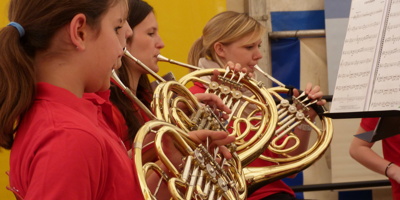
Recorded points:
(290, 114)
(203, 173)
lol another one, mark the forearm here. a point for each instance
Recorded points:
(304, 137)
(367, 157)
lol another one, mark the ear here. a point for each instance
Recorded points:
(219, 49)
(78, 31)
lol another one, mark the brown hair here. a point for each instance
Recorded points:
(41, 19)
(138, 11)
(225, 27)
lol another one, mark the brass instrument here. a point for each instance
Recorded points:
(290, 115)
(200, 175)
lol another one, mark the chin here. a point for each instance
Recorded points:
(156, 69)
(105, 87)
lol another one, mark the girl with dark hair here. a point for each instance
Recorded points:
(54, 55)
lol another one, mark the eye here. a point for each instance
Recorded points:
(151, 34)
(117, 28)
(249, 47)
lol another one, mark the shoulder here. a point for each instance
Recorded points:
(197, 88)
(369, 124)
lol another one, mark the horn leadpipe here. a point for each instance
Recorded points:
(127, 53)
(164, 59)
(269, 76)
(115, 79)
(155, 75)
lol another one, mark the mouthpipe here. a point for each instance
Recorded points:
(269, 76)
(115, 79)
(164, 59)
(155, 75)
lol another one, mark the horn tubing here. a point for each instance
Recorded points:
(164, 59)
(269, 76)
(129, 94)
(155, 75)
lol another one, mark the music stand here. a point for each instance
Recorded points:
(387, 126)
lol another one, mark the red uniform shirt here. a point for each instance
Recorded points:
(66, 148)
(391, 150)
(269, 189)
(122, 128)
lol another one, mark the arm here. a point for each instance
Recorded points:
(217, 138)
(361, 151)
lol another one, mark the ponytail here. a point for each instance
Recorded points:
(34, 25)
(17, 85)
(196, 52)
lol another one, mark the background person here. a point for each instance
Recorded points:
(64, 146)
(236, 37)
(387, 165)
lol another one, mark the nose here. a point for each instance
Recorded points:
(257, 54)
(159, 43)
(128, 32)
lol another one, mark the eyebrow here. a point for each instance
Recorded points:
(153, 28)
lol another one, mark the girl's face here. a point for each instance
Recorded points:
(146, 43)
(107, 47)
(241, 51)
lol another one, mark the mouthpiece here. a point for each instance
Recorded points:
(164, 59)
(269, 76)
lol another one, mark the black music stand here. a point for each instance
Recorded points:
(387, 126)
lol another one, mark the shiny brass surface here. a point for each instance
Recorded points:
(286, 164)
(259, 123)
(189, 170)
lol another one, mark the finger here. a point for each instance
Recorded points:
(222, 141)
(308, 88)
(212, 99)
(231, 65)
(250, 74)
(200, 136)
(215, 76)
(321, 102)
(225, 152)
(296, 92)
(315, 89)
(239, 68)
(316, 95)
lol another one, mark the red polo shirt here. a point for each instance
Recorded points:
(65, 148)
(391, 150)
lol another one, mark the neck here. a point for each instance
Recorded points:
(59, 72)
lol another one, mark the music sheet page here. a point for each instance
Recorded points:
(363, 77)
(386, 90)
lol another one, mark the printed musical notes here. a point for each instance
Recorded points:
(369, 71)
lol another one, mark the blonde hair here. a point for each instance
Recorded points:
(225, 27)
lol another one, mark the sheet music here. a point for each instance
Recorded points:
(364, 75)
(386, 90)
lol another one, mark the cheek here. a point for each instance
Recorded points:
(138, 49)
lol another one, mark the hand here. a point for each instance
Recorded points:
(216, 138)
(393, 172)
(214, 102)
(313, 93)
(234, 67)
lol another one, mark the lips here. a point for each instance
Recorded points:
(251, 67)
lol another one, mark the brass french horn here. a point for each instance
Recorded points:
(290, 114)
(199, 175)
